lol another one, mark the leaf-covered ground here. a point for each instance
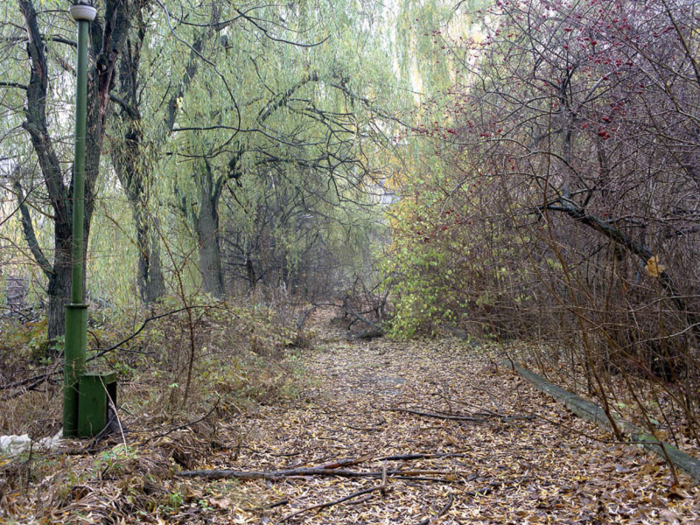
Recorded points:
(525, 459)
(503, 453)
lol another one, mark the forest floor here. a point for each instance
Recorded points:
(502, 452)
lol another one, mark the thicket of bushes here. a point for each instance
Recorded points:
(566, 208)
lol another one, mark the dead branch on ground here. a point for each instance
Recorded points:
(456, 417)
(442, 511)
(334, 502)
(275, 475)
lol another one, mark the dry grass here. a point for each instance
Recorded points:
(240, 362)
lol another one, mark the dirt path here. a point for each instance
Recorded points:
(511, 465)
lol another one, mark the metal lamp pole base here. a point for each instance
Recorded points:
(76, 345)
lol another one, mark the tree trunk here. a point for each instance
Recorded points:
(150, 275)
(59, 294)
(134, 168)
(131, 176)
(58, 272)
(250, 270)
(209, 247)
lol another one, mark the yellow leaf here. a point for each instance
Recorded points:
(653, 267)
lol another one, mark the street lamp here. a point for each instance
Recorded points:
(76, 312)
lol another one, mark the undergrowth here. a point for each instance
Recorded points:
(244, 358)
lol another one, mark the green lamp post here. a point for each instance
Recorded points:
(76, 312)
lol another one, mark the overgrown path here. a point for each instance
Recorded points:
(504, 453)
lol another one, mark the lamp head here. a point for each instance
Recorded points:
(82, 10)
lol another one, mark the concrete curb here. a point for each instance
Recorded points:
(592, 412)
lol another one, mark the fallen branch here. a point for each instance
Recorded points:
(359, 317)
(25, 389)
(304, 317)
(346, 462)
(275, 475)
(370, 334)
(442, 511)
(367, 497)
(35, 380)
(423, 478)
(334, 502)
(446, 415)
(347, 311)
(409, 457)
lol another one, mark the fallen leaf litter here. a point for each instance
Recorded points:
(495, 460)
(438, 432)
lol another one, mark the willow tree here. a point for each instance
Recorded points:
(37, 69)
(131, 160)
(277, 108)
(158, 65)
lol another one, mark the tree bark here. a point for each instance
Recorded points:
(250, 272)
(208, 235)
(151, 282)
(59, 294)
(150, 273)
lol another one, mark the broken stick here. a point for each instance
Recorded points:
(456, 417)
(275, 475)
(319, 506)
(442, 511)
